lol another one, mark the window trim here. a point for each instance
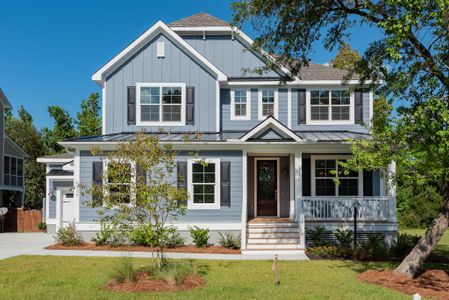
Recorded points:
(217, 203)
(309, 120)
(313, 178)
(247, 117)
(132, 184)
(276, 103)
(161, 85)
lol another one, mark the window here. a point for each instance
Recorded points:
(334, 105)
(326, 171)
(240, 105)
(204, 184)
(120, 180)
(13, 170)
(160, 104)
(267, 104)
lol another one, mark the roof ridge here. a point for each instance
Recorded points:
(199, 19)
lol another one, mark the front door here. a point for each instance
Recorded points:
(68, 213)
(266, 187)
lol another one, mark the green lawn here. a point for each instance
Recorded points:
(442, 247)
(53, 277)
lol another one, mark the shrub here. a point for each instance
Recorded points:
(404, 244)
(344, 237)
(68, 236)
(108, 235)
(200, 236)
(172, 238)
(42, 226)
(173, 271)
(124, 271)
(316, 235)
(229, 240)
(143, 235)
(373, 249)
(329, 252)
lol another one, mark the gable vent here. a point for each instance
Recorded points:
(160, 49)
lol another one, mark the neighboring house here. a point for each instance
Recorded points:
(12, 164)
(271, 148)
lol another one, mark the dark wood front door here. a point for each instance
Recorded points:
(266, 184)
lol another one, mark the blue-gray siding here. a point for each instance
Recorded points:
(145, 66)
(230, 56)
(224, 214)
(52, 203)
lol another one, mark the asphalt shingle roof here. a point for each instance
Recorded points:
(321, 72)
(199, 20)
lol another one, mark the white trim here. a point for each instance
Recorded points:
(275, 104)
(295, 83)
(190, 203)
(142, 40)
(277, 159)
(77, 179)
(313, 158)
(160, 49)
(201, 28)
(103, 109)
(247, 117)
(270, 123)
(244, 198)
(160, 85)
(289, 108)
(309, 120)
(62, 177)
(45, 160)
(371, 106)
(291, 159)
(218, 226)
(217, 106)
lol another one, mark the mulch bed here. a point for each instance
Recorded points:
(144, 283)
(432, 283)
(184, 249)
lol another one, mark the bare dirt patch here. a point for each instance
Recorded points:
(144, 283)
(432, 283)
(184, 249)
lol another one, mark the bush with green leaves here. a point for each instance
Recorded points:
(68, 236)
(374, 248)
(42, 226)
(172, 238)
(403, 245)
(344, 237)
(143, 235)
(229, 240)
(124, 270)
(317, 235)
(200, 236)
(110, 236)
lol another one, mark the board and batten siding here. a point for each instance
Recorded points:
(230, 214)
(239, 125)
(229, 55)
(145, 66)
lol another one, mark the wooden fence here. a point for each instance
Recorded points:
(20, 220)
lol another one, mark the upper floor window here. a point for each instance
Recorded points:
(13, 171)
(240, 104)
(331, 106)
(268, 103)
(161, 104)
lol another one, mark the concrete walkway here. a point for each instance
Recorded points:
(13, 244)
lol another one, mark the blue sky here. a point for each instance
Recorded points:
(50, 49)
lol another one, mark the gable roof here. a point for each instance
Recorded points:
(201, 19)
(270, 128)
(4, 100)
(140, 42)
(321, 72)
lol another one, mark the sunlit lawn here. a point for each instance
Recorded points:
(442, 247)
(53, 277)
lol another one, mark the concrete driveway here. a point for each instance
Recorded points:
(13, 244)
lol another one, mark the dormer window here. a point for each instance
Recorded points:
(330, 106)
(268, 102)
(161, 104)
(240, 104)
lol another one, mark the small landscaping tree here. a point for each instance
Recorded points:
(139, 189)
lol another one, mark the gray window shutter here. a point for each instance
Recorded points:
(131, 105)
(358, 112)
(367, 183)
(97, 180)
(225, 177)
(141, 174)
(301, 106)
(306, 177)
(190, 105)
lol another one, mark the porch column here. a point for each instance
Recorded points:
(244, 198)
(292, 188)
(298, 199)
(58, 209)
(391, 192)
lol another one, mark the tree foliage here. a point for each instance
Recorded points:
(23, 132)
(88, 120)
(62, 129)
(346, 58)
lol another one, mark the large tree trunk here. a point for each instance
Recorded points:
(412, 264)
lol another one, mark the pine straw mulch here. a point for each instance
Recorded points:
(144, 283)
(432, 283)
(183, 249)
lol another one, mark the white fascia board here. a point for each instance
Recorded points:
(201, 29)
(53, 160)
(267, 123)
(298, 83)
(157, 28)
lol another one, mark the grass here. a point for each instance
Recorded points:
(442, 247)
(55, 277)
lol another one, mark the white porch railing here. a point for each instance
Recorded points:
(342, 208)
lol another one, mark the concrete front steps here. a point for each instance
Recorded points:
(268, 235)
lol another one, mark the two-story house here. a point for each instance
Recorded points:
(12, 163)
(271, 148)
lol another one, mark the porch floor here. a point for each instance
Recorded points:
(269, 220)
